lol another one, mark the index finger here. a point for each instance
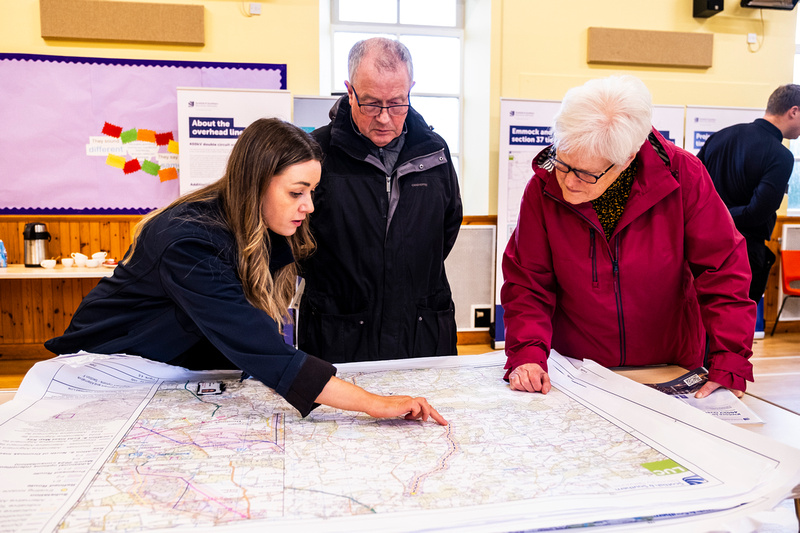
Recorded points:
(425, 410)
(439, 418)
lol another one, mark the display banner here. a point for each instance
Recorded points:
(525, 129)
(312, 112)
(211, 120)
(702, 121)
(668, 120)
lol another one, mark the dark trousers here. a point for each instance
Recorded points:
(761, 260)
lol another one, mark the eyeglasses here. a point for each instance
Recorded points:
(586, 177)
(372, 110)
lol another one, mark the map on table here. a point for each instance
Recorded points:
(245, 459)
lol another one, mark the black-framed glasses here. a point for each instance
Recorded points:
(586, 177)
(372, 110)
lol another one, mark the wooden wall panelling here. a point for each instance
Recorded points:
(61, 248)
(49, 312)
(34, 310)
(112, 237)
(74, 237)
(5, 319)
(28, 309)
(15, 312)
(71, 233)
(59, 322)
(54, 245)
(38, 309)
(11, 235)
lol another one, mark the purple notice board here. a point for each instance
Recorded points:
(99, 136)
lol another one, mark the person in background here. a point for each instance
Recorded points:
(623, 252)
(750, 168)
(207, 281)
(388, 210)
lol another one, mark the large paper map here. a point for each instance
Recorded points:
(244, 458)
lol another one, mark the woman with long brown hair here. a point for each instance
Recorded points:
(208, 279)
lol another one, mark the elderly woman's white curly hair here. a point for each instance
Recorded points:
(605, 118)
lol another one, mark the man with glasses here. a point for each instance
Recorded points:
(387, 213)
(623, 251)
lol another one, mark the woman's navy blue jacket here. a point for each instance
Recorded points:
(179, 300)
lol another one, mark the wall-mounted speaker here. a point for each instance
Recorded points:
(706, 8)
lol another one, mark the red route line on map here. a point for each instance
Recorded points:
(417, 481)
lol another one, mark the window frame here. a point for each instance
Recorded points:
(395, 30)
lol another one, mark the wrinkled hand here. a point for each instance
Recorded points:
(412, 408)
(711, 386)
(529, 377)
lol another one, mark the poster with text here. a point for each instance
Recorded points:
(668, 120)
(525, 129)
(211, 120)
(702, 121)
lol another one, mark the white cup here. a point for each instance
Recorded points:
(67, 261)
(92, 263)
(80, 259)
(49, 263)
(100, 256)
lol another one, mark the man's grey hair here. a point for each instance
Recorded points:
(607, 118)
(390, 55)
(783, 99)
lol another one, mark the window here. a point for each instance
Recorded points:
(433, 31)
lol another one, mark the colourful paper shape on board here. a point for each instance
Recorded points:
(132, 166)
(111, 130)
(163, 139)
(172, 147)
(169, 173)
(128, 136)
(146, 136)
(116, 161)
(150, 167)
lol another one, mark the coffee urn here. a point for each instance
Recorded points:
(35, 237)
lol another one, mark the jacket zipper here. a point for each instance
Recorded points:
(618, 294)
(615, 267)
(388, 177)
(593, 256)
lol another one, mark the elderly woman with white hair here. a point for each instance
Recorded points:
(623, 251)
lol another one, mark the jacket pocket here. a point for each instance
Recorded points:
(334, 338)
(435, 332)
